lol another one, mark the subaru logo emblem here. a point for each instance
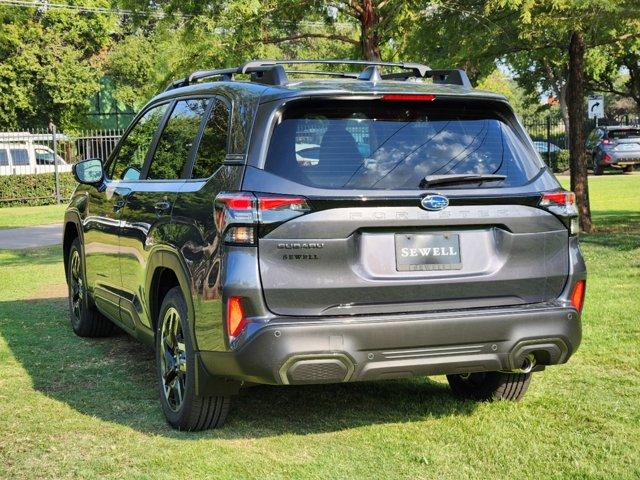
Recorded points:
(434, 202)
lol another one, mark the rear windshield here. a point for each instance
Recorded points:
(395, 145)
(626, 133)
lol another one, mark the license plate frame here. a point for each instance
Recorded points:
(426, 252)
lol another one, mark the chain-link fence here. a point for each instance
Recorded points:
(35, 165)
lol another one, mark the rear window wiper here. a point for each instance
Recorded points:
(431, 180)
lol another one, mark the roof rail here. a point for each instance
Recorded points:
(272, 72)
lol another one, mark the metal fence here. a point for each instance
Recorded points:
(35, 165)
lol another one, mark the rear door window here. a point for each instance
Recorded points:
(20, 156)
(213, 145)
(4, 158)
(177, 140)
(394, 145)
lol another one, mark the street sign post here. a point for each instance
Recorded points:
(595, 107)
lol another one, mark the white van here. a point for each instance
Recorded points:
(21, 155)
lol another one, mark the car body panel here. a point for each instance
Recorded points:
(519, 263)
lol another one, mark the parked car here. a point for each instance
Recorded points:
(542, 146)
(614, 147)
(21, 155)
(428, 238)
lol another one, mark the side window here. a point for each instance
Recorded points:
(44, 157)
(176, 141)
(213, 146)
(4, 158)
(129, 160)
(20, 156)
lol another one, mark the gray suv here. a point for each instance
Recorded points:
(262, 225)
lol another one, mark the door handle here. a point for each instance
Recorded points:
(162, 207)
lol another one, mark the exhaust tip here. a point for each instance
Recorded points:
(528, 364)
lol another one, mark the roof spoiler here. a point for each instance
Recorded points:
(272, 72)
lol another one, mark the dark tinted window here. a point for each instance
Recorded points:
(385, 145)
(626, 133)
(213, 146)
(134, 148)
(20, 156)
(177, 139)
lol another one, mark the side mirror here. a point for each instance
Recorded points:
(88, 171)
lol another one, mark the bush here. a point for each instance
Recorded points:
(562, 161)
(557, 161)
(36, 189)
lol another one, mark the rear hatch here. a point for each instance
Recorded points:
(625, 141)
(392, 226)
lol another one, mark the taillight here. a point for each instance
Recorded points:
(238, 215)
(236, 320)
(564, 199)
(577, 295)
(235, 216)
(562, 204)
(607, 158)
(403, 97)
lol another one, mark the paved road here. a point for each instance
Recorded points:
(30, 237)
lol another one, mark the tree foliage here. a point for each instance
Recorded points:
(50, 63)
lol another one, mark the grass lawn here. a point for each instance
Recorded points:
(78, 408)
(13, 217)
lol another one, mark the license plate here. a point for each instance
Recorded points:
(426, 252)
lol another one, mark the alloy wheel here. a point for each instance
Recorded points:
(173, 359)
(77, 286)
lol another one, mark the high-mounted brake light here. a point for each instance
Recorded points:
(606, 141)
(577, 295)
(408, 97)
(236, 320)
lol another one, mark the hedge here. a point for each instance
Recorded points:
(36, 189)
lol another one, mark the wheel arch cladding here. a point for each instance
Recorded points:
(71, 232)
(165, 271)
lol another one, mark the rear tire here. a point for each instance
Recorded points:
(176, 367)
(628, 169)
(488, 386)
(597, 170)
(85, 319)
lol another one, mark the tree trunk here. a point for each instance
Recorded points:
(564, 112)
(577, 115)
(370, 43)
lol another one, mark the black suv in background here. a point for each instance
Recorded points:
(261, 228)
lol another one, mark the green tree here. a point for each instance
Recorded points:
(50, 63)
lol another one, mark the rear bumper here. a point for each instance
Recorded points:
(300, 350)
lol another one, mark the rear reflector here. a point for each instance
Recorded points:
(577, 296)
(408, 97)
(235, 316)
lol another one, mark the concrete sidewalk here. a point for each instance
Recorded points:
(31, 237)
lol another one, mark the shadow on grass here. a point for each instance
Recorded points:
(113, 379)
(31, 256)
